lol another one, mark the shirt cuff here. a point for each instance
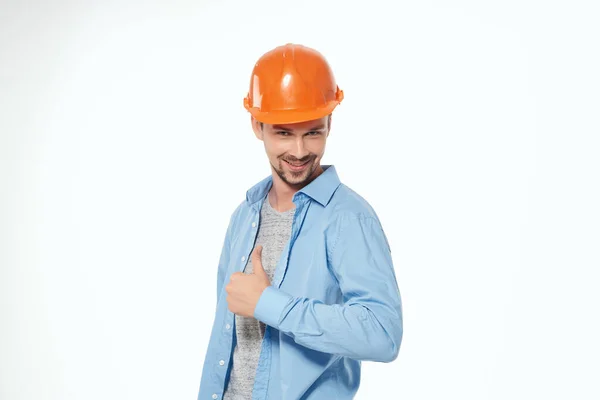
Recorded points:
(270, 306)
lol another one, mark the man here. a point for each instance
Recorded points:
(306, 288)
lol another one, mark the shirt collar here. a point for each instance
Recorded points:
(320, 189)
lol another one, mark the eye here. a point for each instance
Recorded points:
(313, 133)
(283, 133)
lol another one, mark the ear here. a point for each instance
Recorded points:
(258, 132)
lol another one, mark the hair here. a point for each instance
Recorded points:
(328, 122)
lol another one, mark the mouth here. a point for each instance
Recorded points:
(297, 167)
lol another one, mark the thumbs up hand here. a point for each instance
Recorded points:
(244, 290)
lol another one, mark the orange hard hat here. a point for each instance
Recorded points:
(292, 83)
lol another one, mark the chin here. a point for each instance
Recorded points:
(299, 178)
(292, 178)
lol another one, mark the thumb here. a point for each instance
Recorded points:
(257, 261)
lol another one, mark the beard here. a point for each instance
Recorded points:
(295, 178)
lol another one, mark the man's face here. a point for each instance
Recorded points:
(290, 145)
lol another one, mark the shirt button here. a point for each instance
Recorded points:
(243, 258)
(227, 326)
(221, 362)
(253, 224)
(214, 396)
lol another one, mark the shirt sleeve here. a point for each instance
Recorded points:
(368, 326)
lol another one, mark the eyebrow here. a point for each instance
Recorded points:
(281, 128)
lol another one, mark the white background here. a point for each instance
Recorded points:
(471, 127)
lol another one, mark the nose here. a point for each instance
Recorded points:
(299, 149)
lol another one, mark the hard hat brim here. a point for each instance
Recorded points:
(292, 116)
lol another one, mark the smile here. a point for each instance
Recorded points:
(297, 168)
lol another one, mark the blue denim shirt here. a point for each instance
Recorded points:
(333, 301)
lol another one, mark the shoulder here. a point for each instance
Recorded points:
(350, 214)
(239, 209)
(346, 203)
(353, 223)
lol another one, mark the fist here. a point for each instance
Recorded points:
(244, 290)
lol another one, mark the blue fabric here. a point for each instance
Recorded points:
(333, 301)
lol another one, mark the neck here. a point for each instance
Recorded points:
(281, 193)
